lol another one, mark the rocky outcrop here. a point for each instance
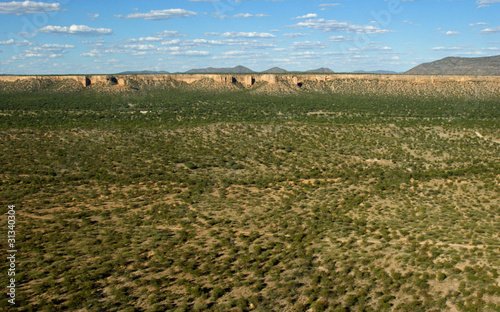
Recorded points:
(359, 83)
(9, 78)
(246, 81)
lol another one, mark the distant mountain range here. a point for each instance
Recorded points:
(244, 70)
(459, 66)
(211, 70)
(232, 70)
(448, 66)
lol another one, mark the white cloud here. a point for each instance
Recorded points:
(202, 43)
(16, 43)
(447, 48)
(77, 30)
(245, 15)
(247, 35)
(340, 39)
(242, 54)
(26, 34)
(44, 51)
(309, 54)
(485, 3)
(449, 32)
(173, 47)
(335, 26)
(158, 37)
(171, 42)
(477, 24)
(140, 47)
(170, 33)
(93, 53)
(96, 43)
(191, 53)
(252, 44)
(371, 48)
(234, 53)
(491, 30)
(473, 53)
(93, 16)
(219, 15)
(108, 61)
(146, 39)
(245, 44)
(294, 35)
(329, 4)
(308, 45)
(459, 50)
(310, 15)
(411, 23)
(55, 46)
(133, 49)
(27, 7)
(160, 14)
(26, 55)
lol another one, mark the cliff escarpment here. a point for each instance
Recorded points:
(264, 83)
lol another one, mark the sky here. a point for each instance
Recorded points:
(111, 36)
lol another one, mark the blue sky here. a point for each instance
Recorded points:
(110, 36)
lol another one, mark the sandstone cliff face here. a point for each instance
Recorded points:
(359, 83)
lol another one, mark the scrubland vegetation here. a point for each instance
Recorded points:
(188, 200)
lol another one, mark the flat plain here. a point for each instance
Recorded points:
(342, 195)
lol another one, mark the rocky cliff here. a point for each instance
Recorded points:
(360, 83)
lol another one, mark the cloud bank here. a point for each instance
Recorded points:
(335, 26)
(77, 30)
(160, 14)
(27, 7)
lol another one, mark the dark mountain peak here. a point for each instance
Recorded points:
(322, 70)
(275, 70)
(242, 68)
(453, 65)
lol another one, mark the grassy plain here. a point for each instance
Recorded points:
(184, 200)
